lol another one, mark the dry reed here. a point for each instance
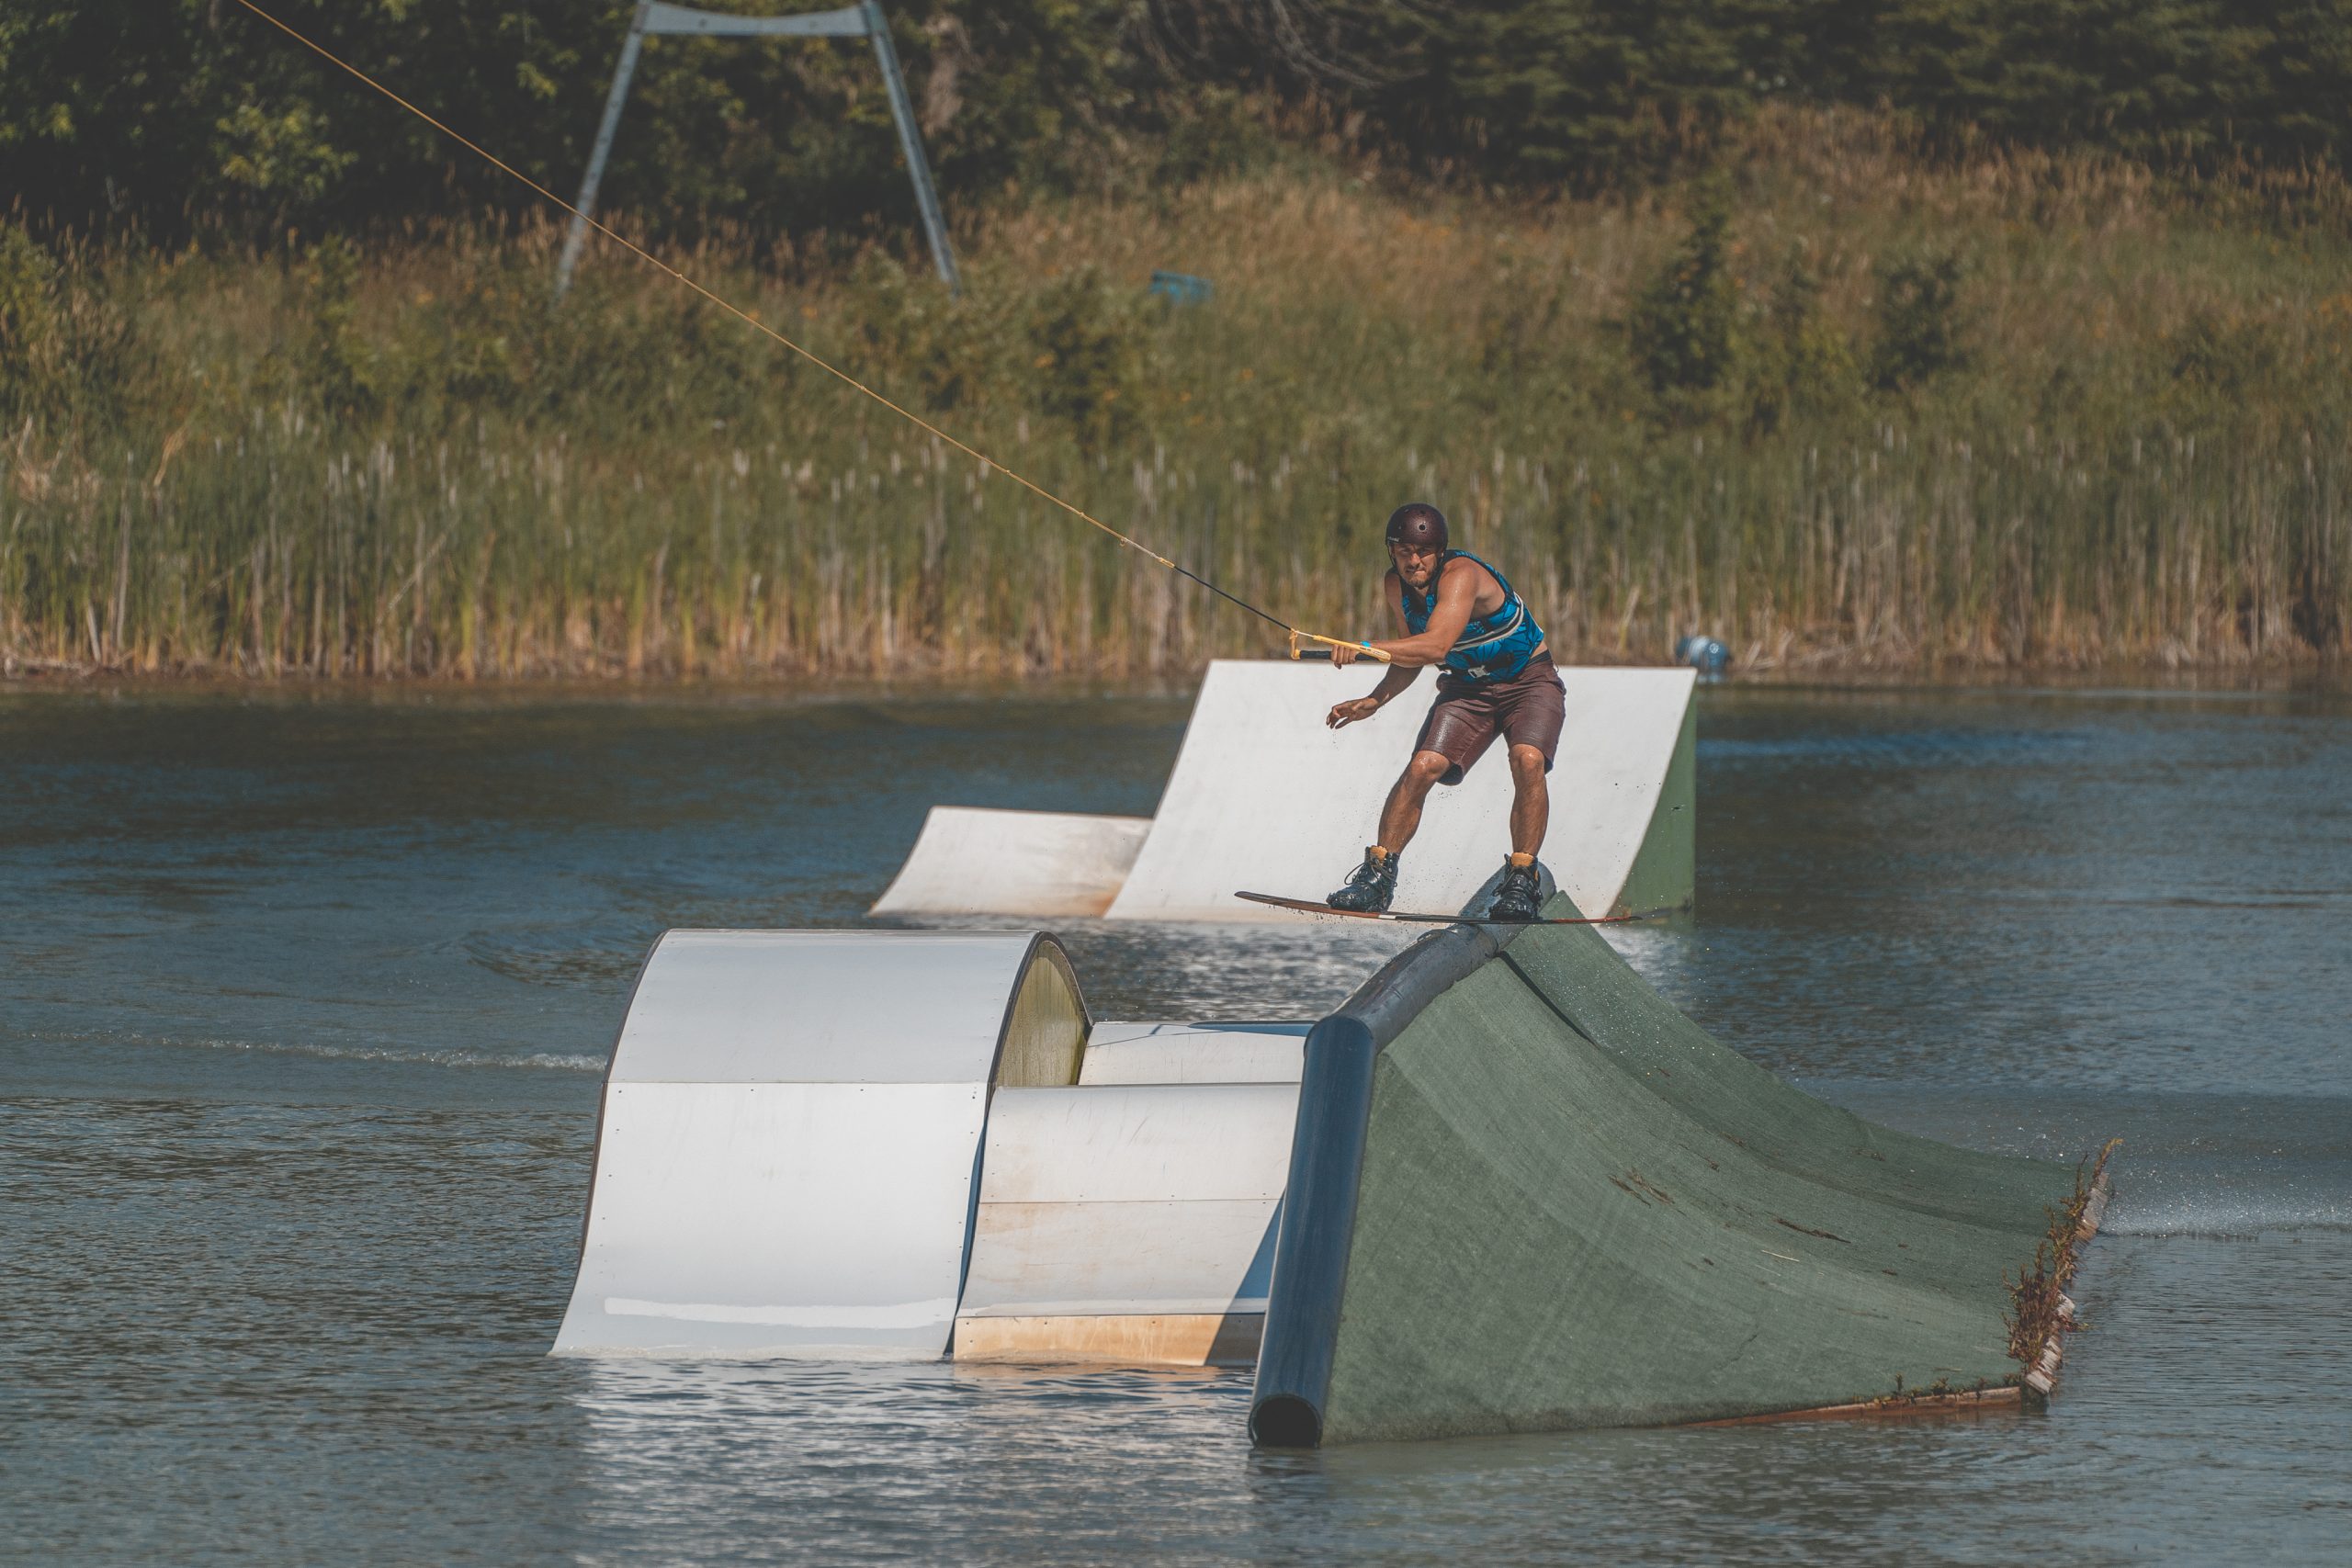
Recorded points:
(405, 462)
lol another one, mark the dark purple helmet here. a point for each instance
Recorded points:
(1418, 523)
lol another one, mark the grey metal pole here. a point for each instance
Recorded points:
(902, 109)
(578, 237)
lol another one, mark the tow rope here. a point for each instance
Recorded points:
(1295, 635)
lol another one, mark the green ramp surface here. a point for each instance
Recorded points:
(1526, 1193)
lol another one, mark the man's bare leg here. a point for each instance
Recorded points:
(1401, 818)
(1374, 881)
(1519, 896)
(1530, 800)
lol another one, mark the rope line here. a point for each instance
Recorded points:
(749, 319)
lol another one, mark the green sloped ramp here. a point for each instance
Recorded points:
(1532, 1195)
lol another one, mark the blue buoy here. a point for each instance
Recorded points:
(1704, 654)
(1182, 288)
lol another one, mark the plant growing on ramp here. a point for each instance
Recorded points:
(2038, 1308)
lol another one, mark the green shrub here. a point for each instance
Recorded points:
(1684, 324)
(1087, 362)
(334, 362)
(73, 353)
(915, 339)
(1802, 363)
(2222, 355)
(28, 325)
(1920, 328)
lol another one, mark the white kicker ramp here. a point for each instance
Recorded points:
(1046, 864)
(1265, 797)
(790, 1130)
(1130, 1224)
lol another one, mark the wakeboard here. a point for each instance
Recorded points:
(1316, 907)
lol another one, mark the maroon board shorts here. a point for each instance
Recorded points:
(1526, 710)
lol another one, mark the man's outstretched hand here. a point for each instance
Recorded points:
(1345, 714)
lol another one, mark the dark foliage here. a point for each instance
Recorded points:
(1594, 93)
(1684, 320)
(1921, 330)
(171, 116)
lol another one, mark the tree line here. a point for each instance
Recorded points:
(164, 117)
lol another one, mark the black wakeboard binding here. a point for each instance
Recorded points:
(1370, 886)
(1519, 898)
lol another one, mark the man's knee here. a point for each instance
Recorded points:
(1527, 765)
(1425, 768)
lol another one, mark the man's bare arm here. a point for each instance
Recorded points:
(1458, 595)
(1394, 678)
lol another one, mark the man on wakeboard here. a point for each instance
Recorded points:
(1496, 679)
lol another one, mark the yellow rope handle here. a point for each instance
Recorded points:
(1363, 649)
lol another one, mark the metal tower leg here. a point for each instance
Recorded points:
(902, 109)
(578, 237)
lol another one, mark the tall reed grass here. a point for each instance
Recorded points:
(408, 460)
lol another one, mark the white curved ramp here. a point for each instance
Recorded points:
(1265, 797)
(1044, 864)
(1131, 1223)
(789, 1132)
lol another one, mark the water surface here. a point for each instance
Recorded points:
(303, 996)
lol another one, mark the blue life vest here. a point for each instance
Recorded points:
(1491, 647)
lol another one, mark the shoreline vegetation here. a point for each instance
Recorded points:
(1844, 405)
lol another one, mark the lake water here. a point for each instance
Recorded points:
(303, 999)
